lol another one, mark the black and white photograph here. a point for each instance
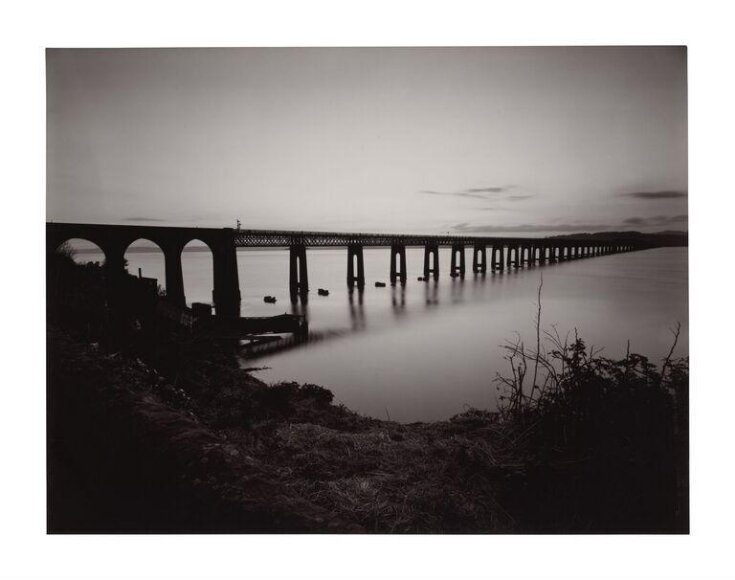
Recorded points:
(330, 290)
(377, 290)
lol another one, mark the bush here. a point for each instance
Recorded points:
(605, 442)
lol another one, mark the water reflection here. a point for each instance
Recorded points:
(300, 307)
(398, 300)
(433, 347)
(427, 362)
(431, 293)
(356, 308)
(457, 289)
(299, 298)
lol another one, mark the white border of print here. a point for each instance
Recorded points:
(29, 27)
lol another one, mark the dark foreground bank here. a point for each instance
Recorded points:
(150, 431)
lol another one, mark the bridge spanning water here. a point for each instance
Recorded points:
(504, 252)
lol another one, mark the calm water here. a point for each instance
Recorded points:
(431, 350)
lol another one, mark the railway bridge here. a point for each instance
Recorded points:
(504, 253)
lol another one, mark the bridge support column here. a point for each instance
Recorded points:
(115, 272)
(174, 275)
(354, 252)
(479, 259)
(226, 293)
(457, 266)
(496, 257)
(298, 274)
(510, 252)
(431, 250)
(397, 251)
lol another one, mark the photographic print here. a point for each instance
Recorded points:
(421, 290)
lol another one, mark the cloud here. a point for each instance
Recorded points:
(455, 193)
(476, 192)
(653, 195)
(659, 220)
(529, 228)
(142, 219)
(640, 222)
(489, 189)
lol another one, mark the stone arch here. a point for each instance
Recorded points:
(149, 260)
(197, 266)
(77, 247)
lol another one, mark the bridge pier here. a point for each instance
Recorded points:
(174, 274)
(510, 253)
(298, 275)
(226, 293)
(496, 257)
(397, 253)
(524, 254)
(115, 272)
(431, 250)
(457, 269)
(479, 259)
(354, 253)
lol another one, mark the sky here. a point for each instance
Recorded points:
(496, 141)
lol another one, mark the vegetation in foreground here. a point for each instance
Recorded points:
(154, 431)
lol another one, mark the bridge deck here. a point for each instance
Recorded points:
(283, 238)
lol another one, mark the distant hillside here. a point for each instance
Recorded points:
(667, 238)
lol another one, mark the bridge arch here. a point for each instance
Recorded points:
(80, 250)
(196, 257)
(145, 256)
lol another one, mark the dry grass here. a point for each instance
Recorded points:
(436, 477)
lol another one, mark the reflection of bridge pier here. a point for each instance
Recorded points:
(357, 312)
(397, 263)
(431, 293)
(398, 299)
